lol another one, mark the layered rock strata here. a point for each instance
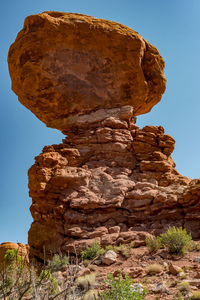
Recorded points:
(108, 181)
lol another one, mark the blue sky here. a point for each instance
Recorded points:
(173, 26)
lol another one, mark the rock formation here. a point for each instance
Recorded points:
(109, 180)
(22, 250)
(63, 63)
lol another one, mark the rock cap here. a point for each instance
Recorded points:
(64, 63)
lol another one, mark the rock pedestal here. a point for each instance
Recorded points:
(109, 181)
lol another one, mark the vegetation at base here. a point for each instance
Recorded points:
(86, 282)
(20, 279)
(154, 269)
(93, 251)
(184, 287)
(176, 240)
(153, 243)
(122, 289)
(12, 256)
(57, 262)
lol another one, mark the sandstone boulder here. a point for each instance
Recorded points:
(109, 258)
(65, 63)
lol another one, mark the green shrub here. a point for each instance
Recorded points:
(12, 256)
(125, 249)
(122, 289)
(46, 278)
(184, 287)
(91, 252)
(110, 247)
(57, 262)
(153, 243)
(177, 240)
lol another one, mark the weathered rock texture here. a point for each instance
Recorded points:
(63, 63)
(109, 180)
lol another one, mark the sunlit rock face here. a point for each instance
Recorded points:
(109, 180)
(64, 63)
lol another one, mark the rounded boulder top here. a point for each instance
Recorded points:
(64, 63)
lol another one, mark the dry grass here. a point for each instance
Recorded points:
(154, 269)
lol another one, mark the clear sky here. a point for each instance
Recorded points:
(173, 26)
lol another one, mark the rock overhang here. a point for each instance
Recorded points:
(63, 64)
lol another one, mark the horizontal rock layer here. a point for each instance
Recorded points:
(108, 181)
(64, 63)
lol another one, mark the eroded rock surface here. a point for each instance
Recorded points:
(64, 63)
(109, 181)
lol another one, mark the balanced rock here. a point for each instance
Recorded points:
(65, 63)
(108, 181)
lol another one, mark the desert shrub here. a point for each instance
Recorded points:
(91, 295)
(154, 269)
(195, 296)
(184, 287)
(57, 262)
(177, 240)
(125, 249)
(122, 289)
(110, 247)
(153, 243)
(20, 279)
(178, 296)
(91, 252)
(194, 247)
(47, 281)
(86, 282)
(11, 255)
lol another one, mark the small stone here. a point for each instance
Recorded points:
(197, 259)
(84, 272)
(165, 265)
(181, 275)
(98, 262)
(138, 287)
(160, 288)
(173, 269)
(135, 272)
(109, 257)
